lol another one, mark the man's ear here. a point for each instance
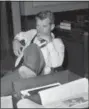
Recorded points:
(52, 26)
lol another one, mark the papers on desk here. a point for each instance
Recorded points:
(70, 94)
(78, 101)
(6, 102)
(26, 103)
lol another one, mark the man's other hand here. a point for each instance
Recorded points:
(17, 47)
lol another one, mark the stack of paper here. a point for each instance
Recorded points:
(70, 94)
(6, 102)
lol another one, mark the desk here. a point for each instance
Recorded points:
(61, 77)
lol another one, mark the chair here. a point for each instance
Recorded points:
(65, 62)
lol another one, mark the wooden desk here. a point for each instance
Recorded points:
(61, 77)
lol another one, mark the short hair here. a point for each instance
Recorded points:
(45, 14)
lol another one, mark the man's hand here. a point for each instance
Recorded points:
(17, 47)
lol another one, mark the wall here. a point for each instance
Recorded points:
(32, 7)
(25, 8)
(4, 28)
(28, 22)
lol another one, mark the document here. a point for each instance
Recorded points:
(6, 102)
(26, 103)
(80, 101)
(70, 95)
(67, 95)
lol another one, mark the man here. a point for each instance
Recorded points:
(47, 53)
(52, 49)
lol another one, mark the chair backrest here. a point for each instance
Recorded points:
(65, 62)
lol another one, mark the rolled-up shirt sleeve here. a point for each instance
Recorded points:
(26, 36)
(61, 52)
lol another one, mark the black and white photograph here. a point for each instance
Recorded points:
(44, 54)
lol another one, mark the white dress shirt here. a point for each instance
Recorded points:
(53, 52)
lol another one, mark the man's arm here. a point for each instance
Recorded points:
(56, 52)
(26, 37)
(17, 47)
(60, 48)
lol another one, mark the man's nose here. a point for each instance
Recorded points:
(40, 29)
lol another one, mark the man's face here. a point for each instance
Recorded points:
(43, 27)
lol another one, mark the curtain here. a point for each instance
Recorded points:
(5, 29)
(6, 34)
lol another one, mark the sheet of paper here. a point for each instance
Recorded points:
(6, 102)
(26, 103)
(78, 101)
(62, 92)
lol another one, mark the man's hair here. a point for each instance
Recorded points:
(45, 14)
